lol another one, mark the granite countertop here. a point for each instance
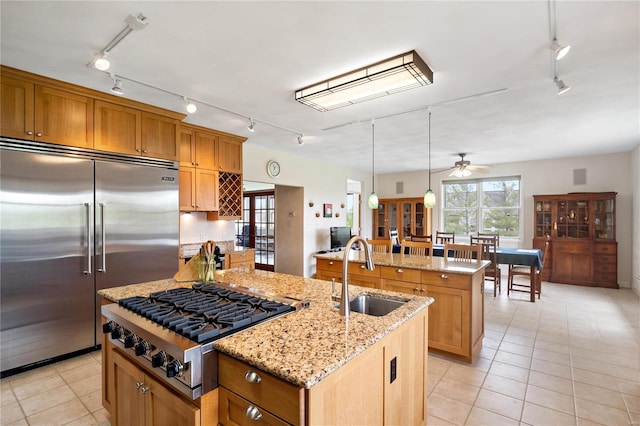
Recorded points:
(425, 263)
(305, 346)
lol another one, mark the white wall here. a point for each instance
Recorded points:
(604, 173)
(322, 183)
(635, 179)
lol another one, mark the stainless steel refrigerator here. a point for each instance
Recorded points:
(72, 222)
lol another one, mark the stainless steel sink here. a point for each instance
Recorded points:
(372, 305)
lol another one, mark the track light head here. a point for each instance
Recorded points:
(189, 106)
(562, 88)
(117, 86)
(300, 140)
(559, 50)
(101, 62)
(252, 125)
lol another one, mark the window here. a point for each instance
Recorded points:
(482, 205)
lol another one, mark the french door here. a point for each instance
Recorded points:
(257, 227)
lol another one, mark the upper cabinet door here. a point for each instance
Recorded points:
(230, 155)
(206, 150)
(117, 128)
(17, 106)
(159, 137)
(63, 117)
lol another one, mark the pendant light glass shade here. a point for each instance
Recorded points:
(373, 201)
(429, 199)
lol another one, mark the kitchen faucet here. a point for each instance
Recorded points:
(344, 297)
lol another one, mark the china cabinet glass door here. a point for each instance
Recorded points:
(573, 219)
(604, 219)
(543, 218)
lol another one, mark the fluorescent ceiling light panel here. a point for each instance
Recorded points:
(402, 72)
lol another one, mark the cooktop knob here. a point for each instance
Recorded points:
(108, 327)
(142, 348)
(174, 368)
(117, 332)
(159, 359)
(130, 340)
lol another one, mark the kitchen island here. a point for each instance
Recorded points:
(456, 318)
(315, 367)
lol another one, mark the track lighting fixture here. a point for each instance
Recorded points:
(101, 62)
(252, 125)
(559, 50)
(300, 140)
(117, 86)
(189, 106)
(562, 88)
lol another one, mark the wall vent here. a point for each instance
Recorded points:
(399, 187)
(579, 176)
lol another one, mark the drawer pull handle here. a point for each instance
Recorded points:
(144, 389)
(253, 413)
(361, 266)
(444, 276)
(422, 290)
(416, 289)
(139, 385)
(399, 270)
(331, 263)
(252, 377)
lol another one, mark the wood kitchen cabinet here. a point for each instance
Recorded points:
(386, 384)
(198, 189)
(130, 131)
(407, 215)
(139, 399)
(230, 154)
(36, 112)
(240, 259)
(358, 274)
(582, 229)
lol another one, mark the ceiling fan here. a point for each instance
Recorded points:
(463, 168)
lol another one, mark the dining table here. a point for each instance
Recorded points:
(530, 257)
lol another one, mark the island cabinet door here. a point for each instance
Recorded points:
(164, 408)
(128, 402)
(449, 320)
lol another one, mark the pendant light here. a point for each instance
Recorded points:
(429, 196)
(373, 197)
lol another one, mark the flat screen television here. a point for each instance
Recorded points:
(340, 235)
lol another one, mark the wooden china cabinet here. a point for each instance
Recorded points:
(407, 215)
(582, 227)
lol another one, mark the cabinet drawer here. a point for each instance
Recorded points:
(363, 281)
(462, 282)
(572, 248)
(605, 268)
(604, 249)
(329, 265)
(273, 394)
(361, 269)
(239, 258)
(605, 258)
(233, 410)
(400, 274)
(328, 275)
(403, 287)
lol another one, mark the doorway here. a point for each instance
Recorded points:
(256, 229)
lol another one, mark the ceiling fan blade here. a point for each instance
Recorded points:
(479, 169)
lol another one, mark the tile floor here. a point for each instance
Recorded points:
(571, 358)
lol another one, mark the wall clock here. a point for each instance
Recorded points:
(273, 168)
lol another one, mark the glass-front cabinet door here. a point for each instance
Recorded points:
(544, 220)
(604, 220)
(420, 219)
(572, 219)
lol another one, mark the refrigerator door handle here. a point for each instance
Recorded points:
(87, 207)
(104, 241)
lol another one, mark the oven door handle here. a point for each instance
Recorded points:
(103, 242)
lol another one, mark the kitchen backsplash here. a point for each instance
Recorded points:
(191, 249)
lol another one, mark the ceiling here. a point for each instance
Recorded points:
(246, 59)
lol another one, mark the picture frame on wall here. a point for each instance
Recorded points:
(328, 210)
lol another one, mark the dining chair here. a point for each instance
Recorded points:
(463, 252)
(492, 272)
(416, 248)
(521, 270)
(445, 237)
(380, 246)
(421, 238)
(490, 234)
(393, 235)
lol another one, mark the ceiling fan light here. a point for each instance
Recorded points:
(429, 199)
(373, 201)
(559, 50)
